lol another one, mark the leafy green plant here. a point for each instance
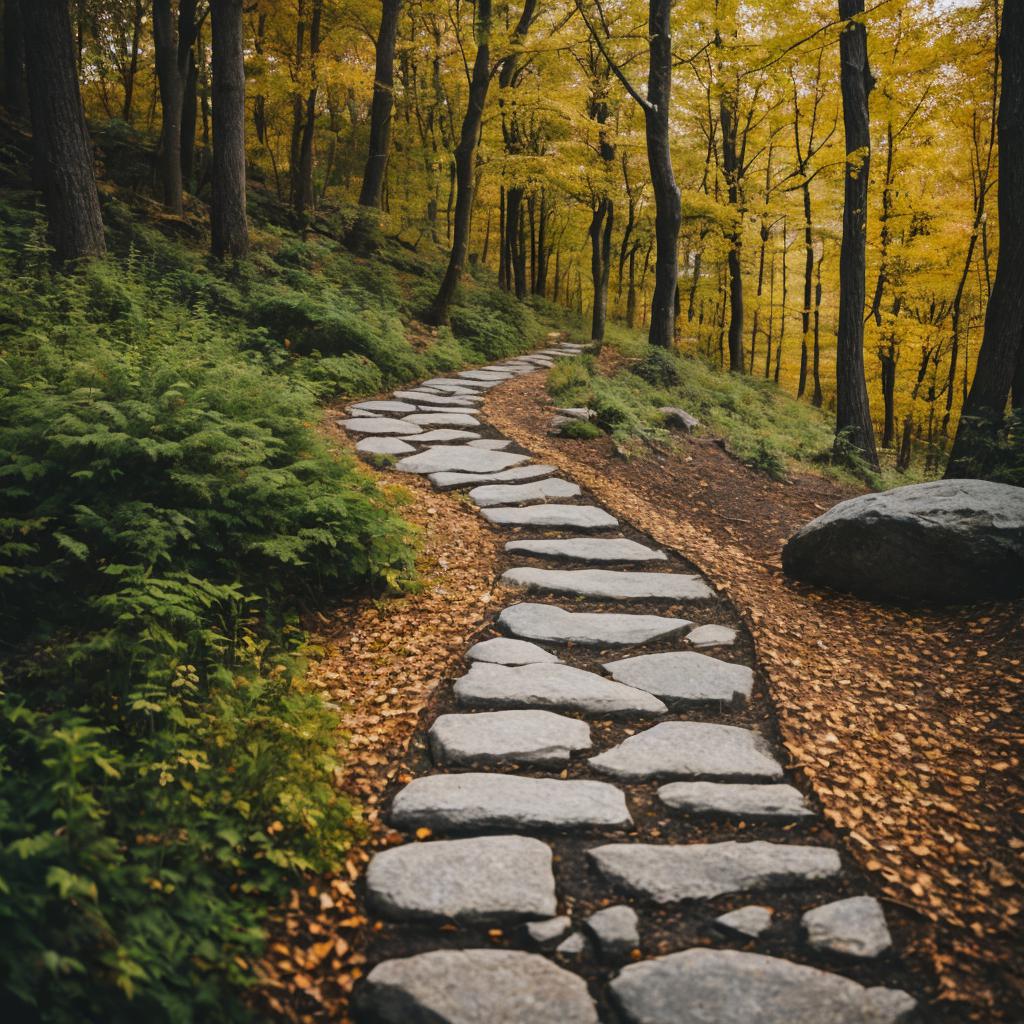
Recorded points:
(581, 430)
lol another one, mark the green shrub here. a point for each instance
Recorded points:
(569, 381)
(494, 323)
(330, 377)
(581, 430)
(659, 368)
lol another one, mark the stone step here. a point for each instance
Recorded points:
(724, 986)
(485, 880)
(379, 425)
(451, 401)
(456, 385)
(475, 986)
(711, 636)
(586, 549)
(521, 494)
(670, 873)
(381, 407)
(478, 801)
(579, 517)
(749, 922)
(491, 444)
(383, 446)
(682, 678)
(449, 481)
(485, 375)
(503, 650)
(442, 419)
(611, 584)
(459, 459)
(614, 931)
(447, 435)
(737, 800)
(605, 629)
(557, 687)
(525, 737)
(853, 927)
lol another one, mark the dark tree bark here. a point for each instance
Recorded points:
(15, 83)
(63, 153)
(600, 264)
(230, 229)
(816, 396)
(853, 414)
(731, 166)
(381, 107)
(188, 120)
(302, 174)
(132, 69)
(1001, 356)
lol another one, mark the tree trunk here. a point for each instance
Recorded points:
(63, 153)
(188, 121)
(15, 83)
(816, 397)
(302, 194)
(730, 161)
(764, 235)
(381, 107)
(1002, 348)
(853, 415)
(785, 296)
(887, 358)
(227, 212)
(600, 263)
(805, 314)
(133, 59)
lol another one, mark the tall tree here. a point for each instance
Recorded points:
(853, 415)
(380, 108)
(304, 124)
(14, 82)
(63, 152)
(229, 228)
(1001, 356)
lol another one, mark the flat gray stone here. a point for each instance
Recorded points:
(485, 375)
(449, 481)
(852, 927)
(725, 986)
(380, 407)
(579, 517)
(443, 410)
(615, 931)
(459, 459)
(557, 687)
(527, 737)
(577, 413)
(521, 494)
(486, 880)
(477, 801)
(737, 800)
(670, 873)
(574, 945)
(605, 629)
(379, 425)
(442, 419)
(503, 650)
(383, 446)
(492, 444)
(688, 750)
(611, 584)
(475, 986)
(680, 678)
(546, 934)
(587, 549)
(460, 384)
(748, 922)
(447, 435)
(453, 401)
(711, 636)
(676, 417)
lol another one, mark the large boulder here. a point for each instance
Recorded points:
(948, 542)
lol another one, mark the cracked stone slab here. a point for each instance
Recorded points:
(587, 549)
(379, 425)
(381, 407)
(460, 384)
(459, 459)
(737, 800)
(579, 517)
(486, 375)
(447, 481)
(853, 927)
(479, 801)
(680, 678)
(446, 435)
(605, 629)
(454, 401)
(688, 750)
(611, 584)
(485, 880)
(546, 934)
(749, 922)
(519, 494)
(503, 650)
(711, 636)
(556, 687)
(475, 986)
(491, 443)
(383, 446)
(442, 419)
(530, 737)
(670, 873)
(725, 986)
(615, 931)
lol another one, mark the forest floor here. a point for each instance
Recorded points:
(903, 723)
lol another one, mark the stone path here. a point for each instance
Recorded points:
(602, 827)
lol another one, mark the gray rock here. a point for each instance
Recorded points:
(579, 517)
(379, 407)
(748, 922)
(688, 750)
(608, 583)
(492, 444)
(680, 678)
(475, 986)
(449, 481)
(447, 436)
(486, 880)
(950, 541)
(452, 401)
(379, 425)
(459, 459)
(577, 413)
(546, 934)
(574, 945)
(603, 629)
(737, 800)
(853, 927)
(485, 375)
(711, 636)
(557, 687)
(383, 446)
(587, 549)
(477, 801)
(725, 986)
(459, 384)
(503, 650)
(520, 494)
(444, 410)
(443, 419)
(526, 737)
(615, 931)
(668, 874)
(676, 417)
